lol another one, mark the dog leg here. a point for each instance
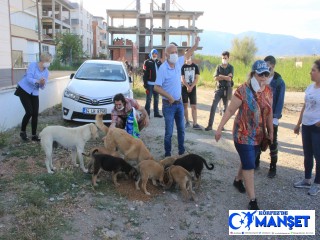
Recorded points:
(48, 161)
(74, 157)
(184, 191)
(198, 179)
(154, 182)
(114, 178)
(144, 185)
(94, 178)
(79, 151)
(137, 184)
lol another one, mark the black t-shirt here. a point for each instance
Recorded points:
(220, 70)
(190, 72)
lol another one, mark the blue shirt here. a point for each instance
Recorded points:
(170, 78)
(33, 74)
(278, 87)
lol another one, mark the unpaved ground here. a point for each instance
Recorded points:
(102, 213)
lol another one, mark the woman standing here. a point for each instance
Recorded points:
(253, 99)
(310, 119)
(28, 87)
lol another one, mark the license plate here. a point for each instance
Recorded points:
(94, 110)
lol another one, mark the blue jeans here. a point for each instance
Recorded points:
(155, 100)
(311, 149)
(247, 154)
(171, 113)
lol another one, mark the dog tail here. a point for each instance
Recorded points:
(100, 123)
(205, 163)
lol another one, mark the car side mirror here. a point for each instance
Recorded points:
(71, 75)
(130, 79)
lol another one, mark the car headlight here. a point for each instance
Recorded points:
(69, 94)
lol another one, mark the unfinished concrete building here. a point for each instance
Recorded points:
(133, 33)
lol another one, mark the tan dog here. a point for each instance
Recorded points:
(168, 161)
(119, 139)
(149, 169)
(181, 176)
(72, 138)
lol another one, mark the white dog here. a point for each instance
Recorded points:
(72, 138)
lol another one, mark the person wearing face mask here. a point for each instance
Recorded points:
(150, 68)
(223, 75)
(190, 75)
(168, 85)
(253, 99)
(278, 87)
(123, 108)
(35, 78)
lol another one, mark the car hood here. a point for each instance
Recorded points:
(97, 88)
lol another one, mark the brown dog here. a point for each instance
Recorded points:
(117, 139)
(112, 164)
(183, 178)
(149, 169)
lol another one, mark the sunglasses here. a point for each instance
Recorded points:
(264, 74)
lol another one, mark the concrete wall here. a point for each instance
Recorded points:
(11, 107)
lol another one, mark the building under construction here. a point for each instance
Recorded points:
(133, 33)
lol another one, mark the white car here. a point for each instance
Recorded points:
(92, 88)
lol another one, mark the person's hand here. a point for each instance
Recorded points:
(42, 82)
(171, 100)
(296, 129)
(217, 135)
(189, 89)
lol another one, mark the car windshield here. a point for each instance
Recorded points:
(101, 71)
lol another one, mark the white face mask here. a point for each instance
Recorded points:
(173, 58)
(224, 61)
(46, 64)
(255, 84)
(154, 58)
(121, 108)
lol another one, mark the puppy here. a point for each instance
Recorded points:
(149, 169)
(181, 176)
(102, 150)
(72, 138)
(168, 161)
(117, 139)
(193, 162)
(112, 164)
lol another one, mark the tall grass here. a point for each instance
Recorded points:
(296, 78)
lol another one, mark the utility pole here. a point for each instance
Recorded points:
(39, 27)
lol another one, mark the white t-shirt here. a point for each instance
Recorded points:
(311, 114)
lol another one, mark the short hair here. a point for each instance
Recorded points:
(119, 97)
(270, 59)
(225, 53)
(317, 63)
(45, 57)
(173, 43)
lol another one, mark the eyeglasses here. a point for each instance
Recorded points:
(264, 74)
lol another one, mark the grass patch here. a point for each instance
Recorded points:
(25, 150)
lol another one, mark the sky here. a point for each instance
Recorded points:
(299, 18)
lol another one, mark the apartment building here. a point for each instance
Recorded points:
(81, 22)
(99, 28)
(133, 33)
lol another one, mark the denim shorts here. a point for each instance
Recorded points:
(248, 154)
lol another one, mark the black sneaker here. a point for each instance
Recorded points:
(158, 116)
(208, 128)
(35, 138)
(239, 185)
(272, 172)
(253, 205)
(257, 165)
(23, 136)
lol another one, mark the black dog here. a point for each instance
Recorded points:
(112, 164)
(193, 162)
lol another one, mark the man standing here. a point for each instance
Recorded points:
(168, 85)
(223, 75)
(278, 90)
(189, 76)
(150, 68)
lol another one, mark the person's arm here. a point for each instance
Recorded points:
(163, 93)
(270, 126)
(232, 108)
(145, 74)
(189, 53)
(296, 129)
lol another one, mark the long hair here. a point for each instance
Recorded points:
(317, 63)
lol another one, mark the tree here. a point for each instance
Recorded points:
(244, 49)
(69, 48)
